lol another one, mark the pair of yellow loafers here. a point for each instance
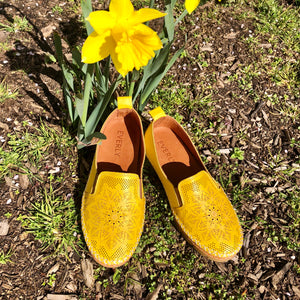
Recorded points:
(113, 203)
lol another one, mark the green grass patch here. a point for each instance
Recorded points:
(31, 147)
(53, 221)
(170, 98)
(6, 92)
(281, 22)
(279, 25)
(18, 24)
(5, 257)
(289, 233)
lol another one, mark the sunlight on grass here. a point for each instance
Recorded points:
(162, 253)
(288, 232)
(53, 221)
(19, 24)
(6, 92)
(31, 146)
(281, 22)
(5, 257)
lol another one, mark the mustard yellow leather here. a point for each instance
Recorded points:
(202, 210)
(152, 156)
(113, 217)
(157, 113)
(208, 218)
(124, 102)
(113, 203)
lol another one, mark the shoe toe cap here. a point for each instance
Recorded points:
(112, 220)
(208, 219)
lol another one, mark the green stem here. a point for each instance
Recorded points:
(127, 80)
(131, 88)
(106, 71)
(151, 4)
(183, 14)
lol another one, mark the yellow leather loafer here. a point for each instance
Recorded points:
(113, 203)
(202, 211)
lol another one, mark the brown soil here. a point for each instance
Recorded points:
(265, 269)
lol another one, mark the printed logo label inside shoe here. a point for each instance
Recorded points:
(166, 151)
(119, 142)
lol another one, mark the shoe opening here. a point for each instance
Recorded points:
(123, 149)
(176, 154)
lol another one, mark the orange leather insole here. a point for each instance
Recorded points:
(174, 157)
(119, 152)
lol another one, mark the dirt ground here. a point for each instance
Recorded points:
(265, 269)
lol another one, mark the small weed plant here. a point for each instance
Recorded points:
(53, 221)
(6, 92)
(18, 24)
(238, 154)
(288, 234)
(5, 257)
(31, 146)
(50, 280)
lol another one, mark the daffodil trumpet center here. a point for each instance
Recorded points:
(121, 34)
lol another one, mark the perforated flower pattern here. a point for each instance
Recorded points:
(113, 217)
(207, 216)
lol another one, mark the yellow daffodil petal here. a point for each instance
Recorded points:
(117, 64)
(191, 5)
(145, 14)
(96, 47)
(121, 8)
(137, 50)
(101, 20)
(122, 34)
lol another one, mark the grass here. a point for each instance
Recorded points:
(53, 218)
(288, 234)
(180, 96)
(6, 92)
(57, 9)
(281, 23)
(53, 221)
(175, 95)
(50, 280)
(276, 25)
(5, 257)
(18, 24)
(238, 154)
(31, 147)
(5, 46)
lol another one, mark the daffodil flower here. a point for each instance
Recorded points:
(120, 32)
(191, 5)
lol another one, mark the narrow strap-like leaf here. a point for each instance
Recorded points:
(169, 23)
(86, 7)
(98, 111)
(154, 65)
(169, 20)
(93, 139)
(68, 76)
(69, 102)
(152, 85)
(86, 95)
(76, 58)
(183, 14)
(80, 131)
(58, 48)
(157, 62)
